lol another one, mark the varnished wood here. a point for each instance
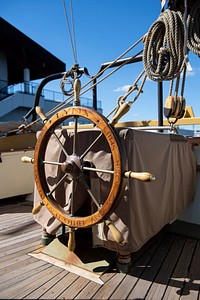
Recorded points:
(41, 114)
(118, 165)
(123, 109)
(118, 236)
(37, 208)
(77, 89)
(143, 176)
(27, 159)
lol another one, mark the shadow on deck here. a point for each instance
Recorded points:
(167, 267)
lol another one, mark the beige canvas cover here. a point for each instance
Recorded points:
(145, 207)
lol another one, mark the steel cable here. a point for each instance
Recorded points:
(71, 32)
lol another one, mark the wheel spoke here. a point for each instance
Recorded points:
(59, 142)
(57, 184)
(90, 192)
(52, 163)
(93, 143)
(98, 170)
(74, 186)
(75, 134)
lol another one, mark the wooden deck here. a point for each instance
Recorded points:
(168, 268)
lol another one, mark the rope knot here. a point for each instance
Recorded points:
(163, 51)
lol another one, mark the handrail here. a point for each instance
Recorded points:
(52, 77)
(38, 93)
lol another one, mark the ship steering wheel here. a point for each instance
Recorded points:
(74, 166)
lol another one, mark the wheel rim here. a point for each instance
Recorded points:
(74, 166)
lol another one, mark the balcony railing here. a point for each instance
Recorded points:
(31, 88)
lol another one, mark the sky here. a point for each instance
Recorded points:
(104, 29)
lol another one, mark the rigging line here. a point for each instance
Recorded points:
(112, 72)
(70, 98)
(70, 34)
(141, 87)
(119, 57)
(134, 86)
(73, 30)
(110, 65)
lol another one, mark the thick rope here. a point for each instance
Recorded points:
(193, 23)
(163, 56)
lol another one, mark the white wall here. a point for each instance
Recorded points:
(192, 214)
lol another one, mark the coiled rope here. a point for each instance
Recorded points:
(163, 56)
(193, 23)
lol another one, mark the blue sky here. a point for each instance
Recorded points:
(104, 29)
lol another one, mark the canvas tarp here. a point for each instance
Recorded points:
(145, 207)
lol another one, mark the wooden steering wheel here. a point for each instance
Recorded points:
(75, 166)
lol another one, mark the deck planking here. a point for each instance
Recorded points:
(166, 268)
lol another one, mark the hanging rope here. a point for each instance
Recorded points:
(174, 107)
(163, 56)
(193, 23)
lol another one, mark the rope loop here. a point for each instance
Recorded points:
(163, 56)
(193, 23)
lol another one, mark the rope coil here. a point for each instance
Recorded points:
(163, 56)
(193, 23)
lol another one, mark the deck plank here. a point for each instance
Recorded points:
(168, 268)
(18, 246)
(74, 289)
(92, 287)
(20, 238)
(11, 234)
(191, 289)
(151, 270)
(109, 287)
(21, 273)
(19, 264)
(130, 281)
(31, 283)
(55, 291)
(19, 257)
(39, 292)
(178, 278)
(124, 288)
(161, 280)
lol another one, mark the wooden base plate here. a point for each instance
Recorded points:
(85, 261)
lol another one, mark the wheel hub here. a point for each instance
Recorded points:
(72, 165)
